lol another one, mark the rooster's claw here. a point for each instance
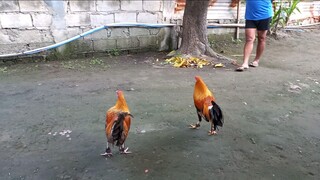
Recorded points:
(194, 126)
(212, 133)
(125, 151)
(106, 154)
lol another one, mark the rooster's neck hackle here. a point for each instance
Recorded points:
(201, 85)
(201, 88)
(121, 103)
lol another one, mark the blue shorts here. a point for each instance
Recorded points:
(260, 25)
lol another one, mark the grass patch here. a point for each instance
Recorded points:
(3, 69)
(96, 61)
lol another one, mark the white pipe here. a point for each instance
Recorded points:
(144, 25)
(38, 50)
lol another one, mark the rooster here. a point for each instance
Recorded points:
(118, 120)
(206, 106)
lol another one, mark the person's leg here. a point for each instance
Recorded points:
(262, 27)
(260, 47)
(250, 34)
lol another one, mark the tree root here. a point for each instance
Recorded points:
(217, 57)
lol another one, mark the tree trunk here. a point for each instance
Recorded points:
(194, 31)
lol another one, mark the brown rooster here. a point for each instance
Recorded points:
(204, 102)
(117, 127)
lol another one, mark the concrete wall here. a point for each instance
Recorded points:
(26, 25)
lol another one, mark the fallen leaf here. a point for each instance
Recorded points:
(219, 65)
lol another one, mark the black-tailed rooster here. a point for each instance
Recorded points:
(204, 102)
(118, 120)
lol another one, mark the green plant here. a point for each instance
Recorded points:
(73, 64)
(68, 65)
(282, 12)
(114, 52)
(236, 41)
(4, 69)
(96, 61)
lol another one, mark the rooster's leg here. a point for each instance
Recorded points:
(212, 130)
(124, 150)
(108, 151)
(197, 125)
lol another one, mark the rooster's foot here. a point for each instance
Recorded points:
(194, 126)
(106, 154)
(212, 133)
(125, 151)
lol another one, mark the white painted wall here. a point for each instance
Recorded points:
(48, 22)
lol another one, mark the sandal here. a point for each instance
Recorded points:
(241, 68)
(254, 64)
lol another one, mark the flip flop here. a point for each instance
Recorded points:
(241, 68)
(254, 64)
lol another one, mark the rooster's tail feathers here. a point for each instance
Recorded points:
(216, 114)
(117, 128)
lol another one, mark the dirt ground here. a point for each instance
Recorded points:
(53, 114)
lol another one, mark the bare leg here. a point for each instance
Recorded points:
(108, 151)
(212, 130)
(124, 150)
(261, 45)
(197, 125)
(250, 37)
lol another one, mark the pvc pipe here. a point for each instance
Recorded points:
(144, 25)
(139, 25)
(51, 46)
(225, 25)
(38, 50)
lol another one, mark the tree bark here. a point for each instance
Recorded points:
(194, 30)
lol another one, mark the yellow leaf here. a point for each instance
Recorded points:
(187, 62)
(179, 64)
(219, 65)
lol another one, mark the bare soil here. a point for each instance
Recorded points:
(272, 116)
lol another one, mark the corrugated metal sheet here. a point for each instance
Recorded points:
(221, 10)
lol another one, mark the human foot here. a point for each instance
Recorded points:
(254, 64)
(242, 68)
